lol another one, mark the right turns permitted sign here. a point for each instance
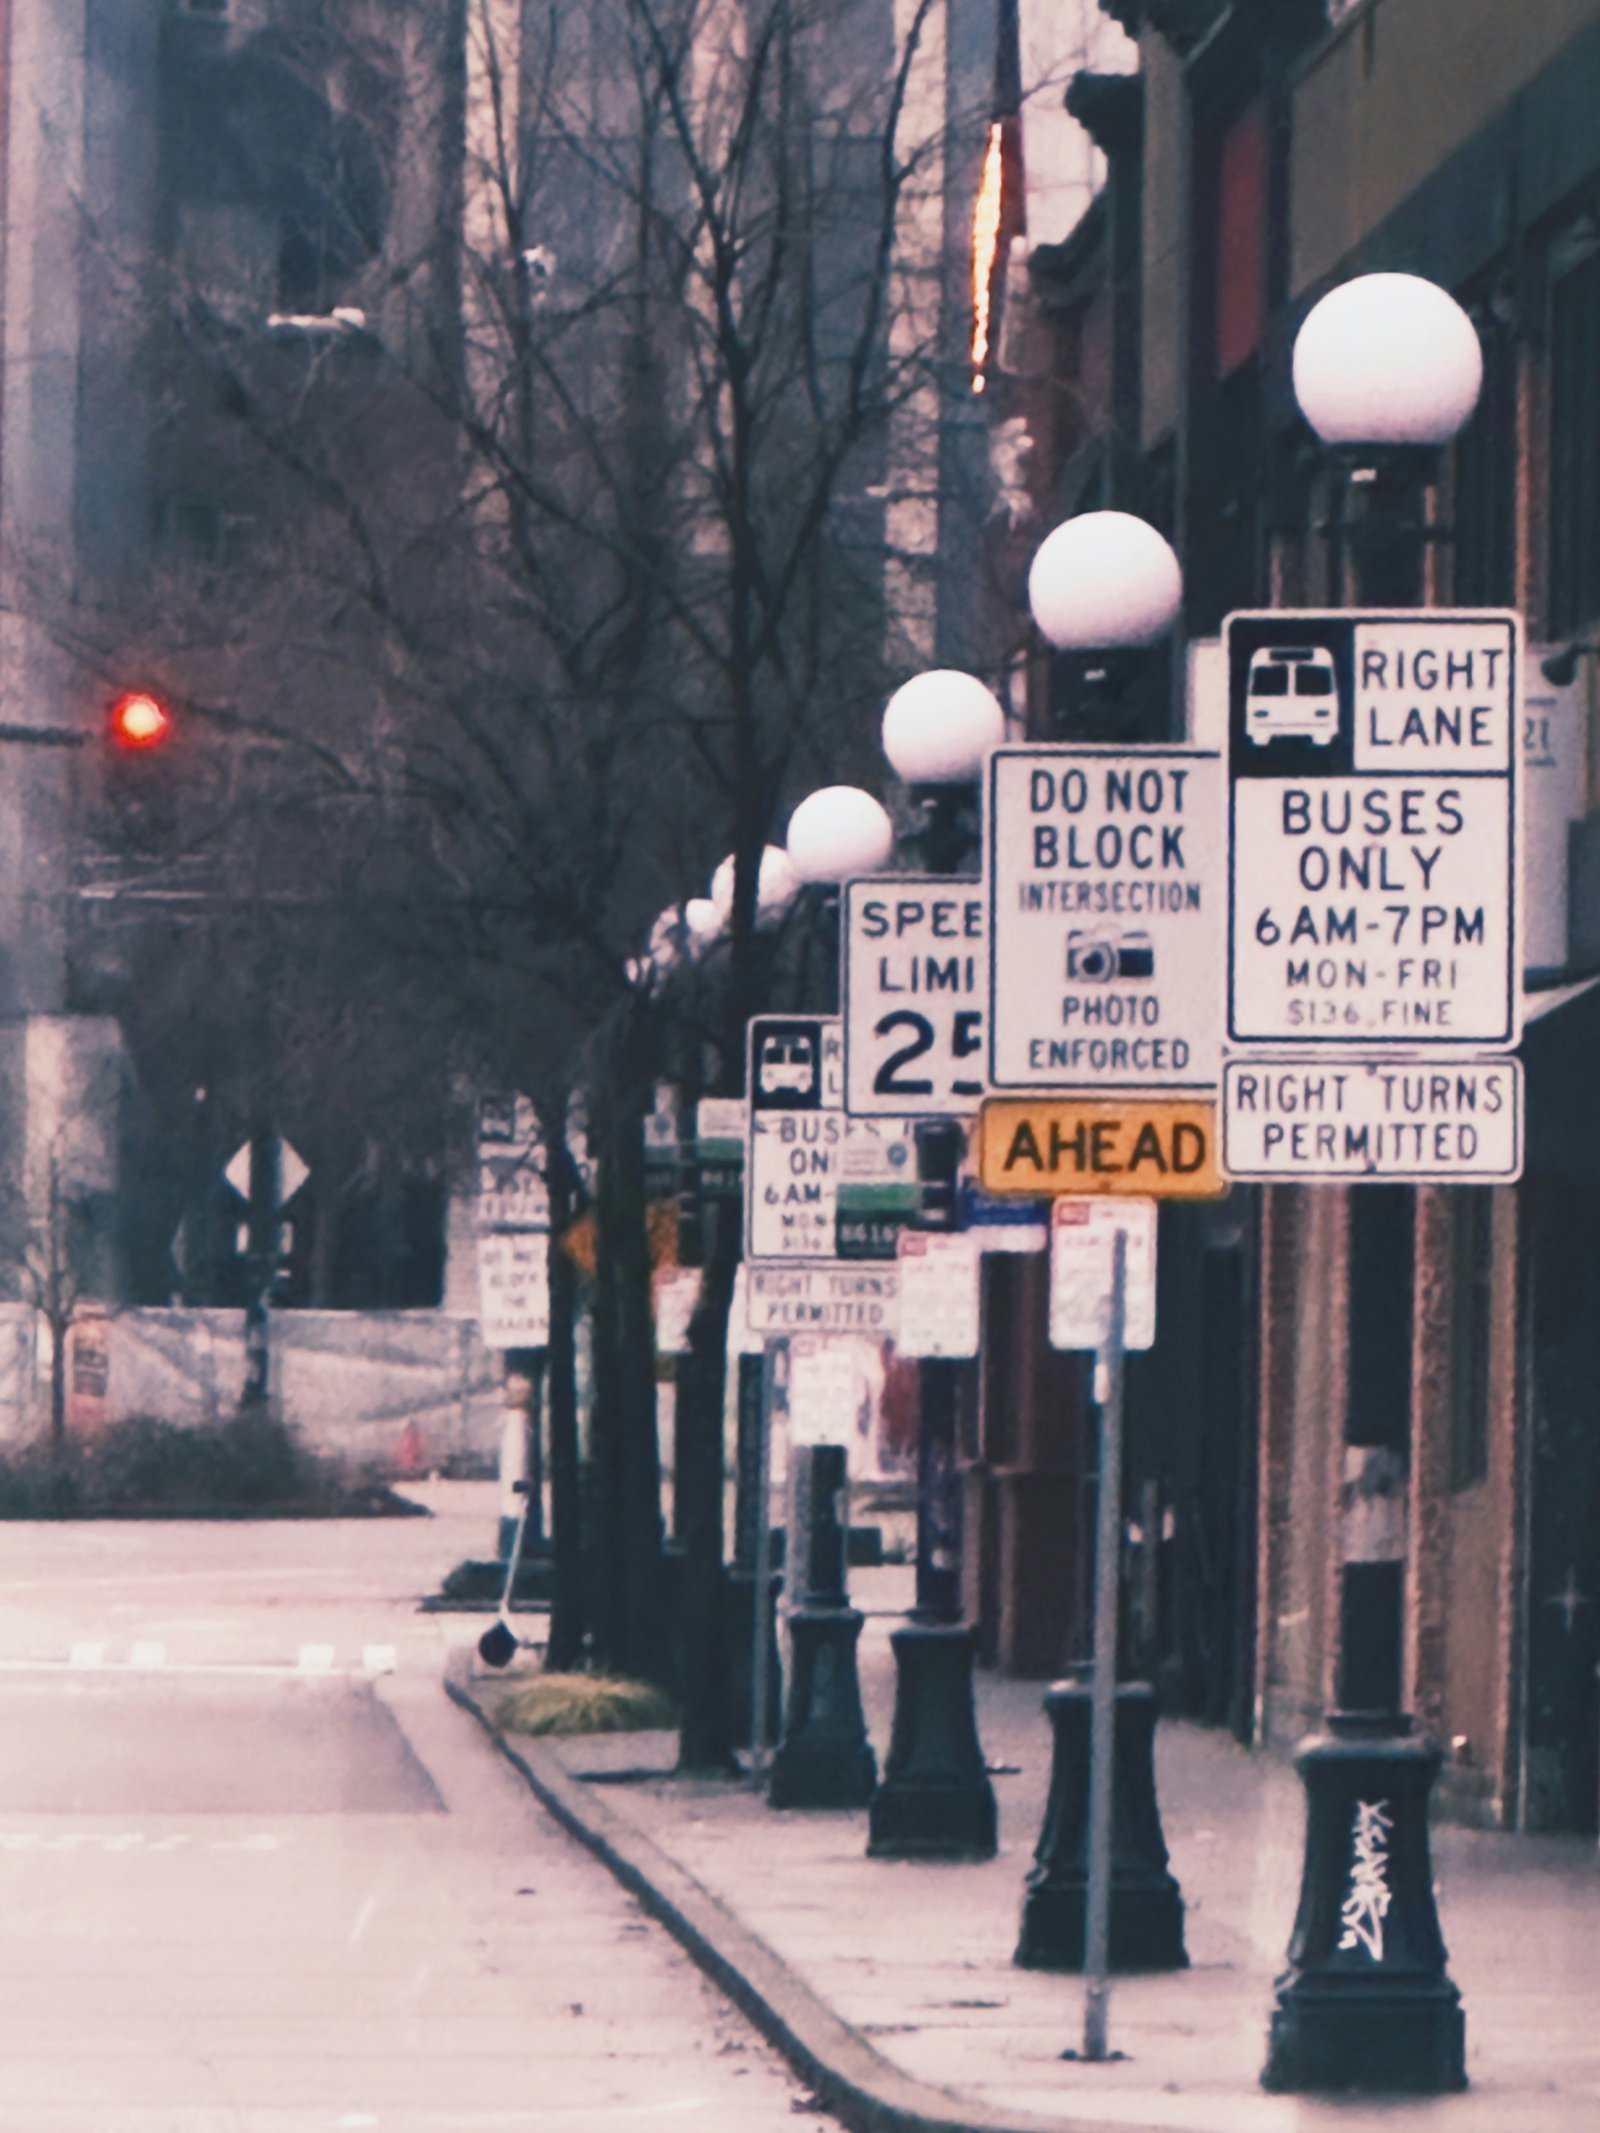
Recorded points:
(1373, 782)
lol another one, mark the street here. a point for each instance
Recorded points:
(260, 1875)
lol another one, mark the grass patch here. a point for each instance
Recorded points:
(251, 1466)
(583, 1703)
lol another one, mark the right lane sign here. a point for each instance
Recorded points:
(1373, 776)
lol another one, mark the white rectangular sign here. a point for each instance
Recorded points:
(1105, 869)
(938, 1294)
(674, 1293)
(512, 1193)
(827, 1390)
(514, 1289)
(916, 988)
(1390, 1121)
(1374, 784)
(1080, 1271)
(842, 1298)
(793, 1169)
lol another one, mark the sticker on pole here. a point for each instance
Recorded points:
(1373, 801)
(1106, 875)
(1081, 1232)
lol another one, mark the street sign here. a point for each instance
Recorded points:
(822, 1299)
(794, 1169)
(938, 1295)
(794, 1063)
(1080, 1271)
(916, 987)
(827, 1390)
(1374, 793)
(1002, 1225)
(514, 1288)
(512, 1193)
(1158, 1147)
(1385, 1120)
(1105, 877)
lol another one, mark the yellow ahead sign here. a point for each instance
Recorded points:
(1162, 1148)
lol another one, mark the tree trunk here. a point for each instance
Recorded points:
(567, 1624)
(629, 1629)
(703, 1742)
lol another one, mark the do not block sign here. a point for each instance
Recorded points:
(1159, 1149)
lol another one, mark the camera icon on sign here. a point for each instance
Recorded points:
(1100, 958)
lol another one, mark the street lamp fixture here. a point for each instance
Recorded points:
(1104, 588)
(936, 1800)
(836, 833)
(824, 1758)
(1386, 365)
(938, 729)
(1387, 370)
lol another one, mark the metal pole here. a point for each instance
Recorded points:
(762, 1552)
(1103, 1715)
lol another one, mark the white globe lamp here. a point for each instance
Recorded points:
(837, 833)
(777, 884)
(1104, 581)
(1387, 359)
(938, 727)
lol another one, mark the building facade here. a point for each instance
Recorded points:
(1280, 149)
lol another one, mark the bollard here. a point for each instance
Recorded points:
(1366, 2002)
(1146, 1923)
(824, 1758)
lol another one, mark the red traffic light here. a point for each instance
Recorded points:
(139, 720)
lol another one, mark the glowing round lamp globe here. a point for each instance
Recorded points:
(777, 884)
(839, 832)
(703, 920)
(1387, 359)
(1104, 582)
(939, 726)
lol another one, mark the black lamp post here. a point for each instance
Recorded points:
(824, 1758)
(1387, 368)
(1105, 587)
(936, 1800)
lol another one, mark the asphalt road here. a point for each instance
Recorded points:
(259, 1875)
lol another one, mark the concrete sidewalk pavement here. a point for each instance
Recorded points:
(892, 1986)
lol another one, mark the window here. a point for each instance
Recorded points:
(1472, 1302)
(1240, 268)
(1575, 447)
(1483, 509)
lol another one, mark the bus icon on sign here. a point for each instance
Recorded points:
(787, 1064)
(1291, 693)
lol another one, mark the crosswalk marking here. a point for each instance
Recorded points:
(311, 1661)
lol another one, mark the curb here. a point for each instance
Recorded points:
(848, 2076)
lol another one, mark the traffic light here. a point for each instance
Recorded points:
(139, 721)
(139, 770)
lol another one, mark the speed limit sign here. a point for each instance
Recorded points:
(916, 986)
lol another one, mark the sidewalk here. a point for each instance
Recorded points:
(892, 1984)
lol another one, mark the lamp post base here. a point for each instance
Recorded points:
(935, 1801)
(1366, 2002)
(824, 1758)
(1146, 1925)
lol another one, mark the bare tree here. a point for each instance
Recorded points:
(581, 528)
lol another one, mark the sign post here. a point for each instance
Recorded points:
(1108, 1534)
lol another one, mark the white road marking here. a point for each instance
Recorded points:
(87, 1655)
(377, 1659)
(148, 1655)
(316, 1659)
